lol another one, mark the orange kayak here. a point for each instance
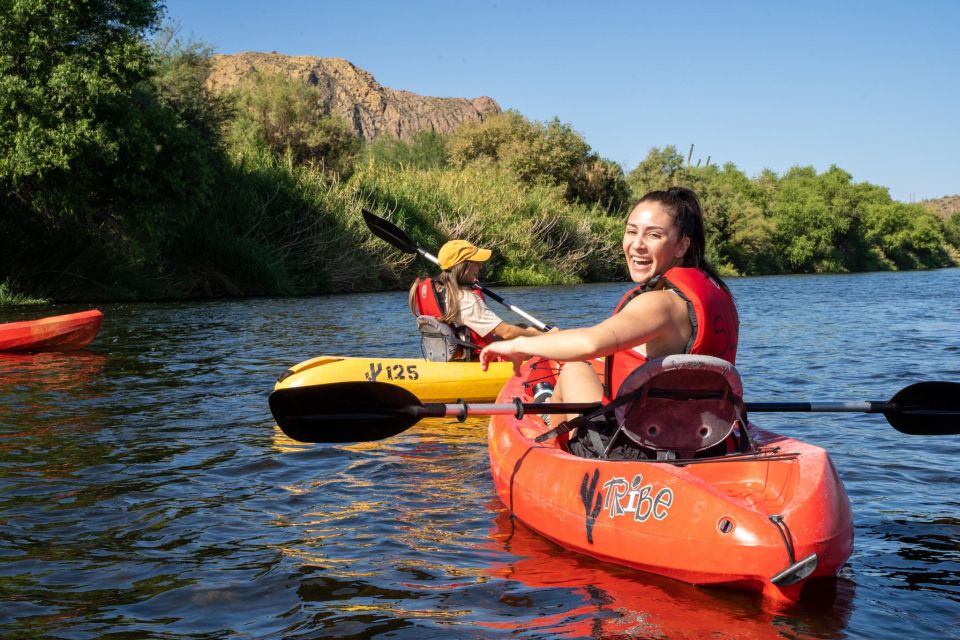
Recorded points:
(55, 333)
(767, 519)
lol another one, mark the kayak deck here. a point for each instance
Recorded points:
(429, 381)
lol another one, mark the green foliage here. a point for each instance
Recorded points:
(600, 181)
(801, 222)
(537, 235)
(292, 119)
(76, 128)
(740, 238)
(8, 296)
(181, 70)
(951, 231)
(111, 162)
(805, 222)
(905, 236)
(819, 220)
(806, 229)
(661, 169)
(426, 150)
(67, 74)
(537, 153)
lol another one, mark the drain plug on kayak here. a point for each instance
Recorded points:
(725, 525)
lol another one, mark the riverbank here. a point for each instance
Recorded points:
(307, 235)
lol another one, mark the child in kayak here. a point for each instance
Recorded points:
(451, 297)
(679, 306)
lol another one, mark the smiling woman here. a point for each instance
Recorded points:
(685, 306)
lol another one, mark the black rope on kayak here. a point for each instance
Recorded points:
(516, 470)
(540, 365)
(781, 525)
(532, 382)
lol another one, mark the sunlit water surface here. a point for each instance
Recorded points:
(145, 491)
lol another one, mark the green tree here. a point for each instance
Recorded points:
(819, 220)
(74, 130)
(292, 118)
(486, 141)
(740, 238)
(552, 152)
(905, 236)
(951, 230)
(425, 150)
(661, 169)
(110, 155)
(180, 81)
(600, 181)
(69, 73)
(537, 153)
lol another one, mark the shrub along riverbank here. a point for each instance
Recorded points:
(122, 177)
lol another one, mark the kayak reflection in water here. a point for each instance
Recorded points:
(685, 307)
(451, 299)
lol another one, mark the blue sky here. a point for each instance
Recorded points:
(873, 87)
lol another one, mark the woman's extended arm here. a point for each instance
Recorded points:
(654, 317)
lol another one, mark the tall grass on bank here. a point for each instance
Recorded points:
(10, 297)
(538, 237)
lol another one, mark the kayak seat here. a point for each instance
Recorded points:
(680, 405)
(439, 342)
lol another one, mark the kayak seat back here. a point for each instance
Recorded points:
(680, 405)
(439, 341)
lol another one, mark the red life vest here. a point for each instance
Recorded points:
(713, 317)
(430, 303)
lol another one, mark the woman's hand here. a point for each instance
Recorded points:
(502, 349)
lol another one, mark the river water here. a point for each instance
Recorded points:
(145, 491)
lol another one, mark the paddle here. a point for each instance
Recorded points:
(394, 235)
(365, 411)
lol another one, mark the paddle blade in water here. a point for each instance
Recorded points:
(345, 411)
(389, 232)
(926, 409)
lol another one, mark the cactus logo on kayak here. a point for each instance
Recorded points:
(619, 498)
(634, 497)
(592, 501)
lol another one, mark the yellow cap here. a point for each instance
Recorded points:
(456, 251)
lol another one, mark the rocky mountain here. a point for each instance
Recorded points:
(355, 95)
(945, 206)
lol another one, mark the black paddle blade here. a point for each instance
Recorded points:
(389, 232)
(345, 411)
(926, 409)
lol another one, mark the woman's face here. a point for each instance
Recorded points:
(652, 242)
(473, 271)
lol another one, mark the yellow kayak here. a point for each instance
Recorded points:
(430, 381)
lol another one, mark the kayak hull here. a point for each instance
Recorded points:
(54, 333)
(430, 381)
(737, 521)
